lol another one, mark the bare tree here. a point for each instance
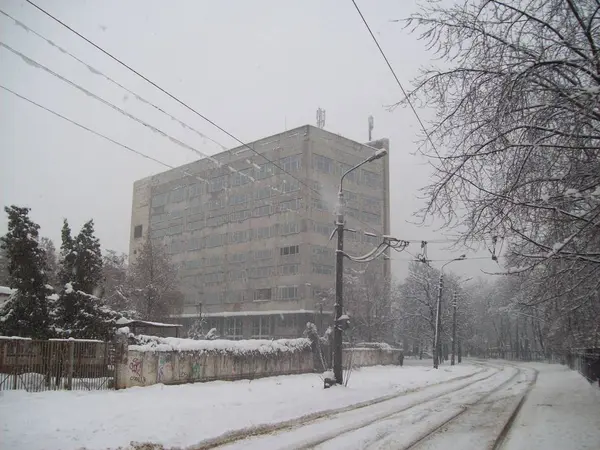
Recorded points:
(153, 283)
(518, 112)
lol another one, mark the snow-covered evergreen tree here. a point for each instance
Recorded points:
(26, 313)
(196, 331)
(115, 290)
(51, 260)
(80, 313)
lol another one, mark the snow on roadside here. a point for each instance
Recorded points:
(562, 411)
(187, 414)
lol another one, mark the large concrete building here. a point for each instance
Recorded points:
(252, 241)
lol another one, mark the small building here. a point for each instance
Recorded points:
(150, 328)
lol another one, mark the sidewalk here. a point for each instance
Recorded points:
(562, 412)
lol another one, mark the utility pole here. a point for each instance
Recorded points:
(339, 270)
(371, 125)
(438, 317)
(339, 287)
(454, 299)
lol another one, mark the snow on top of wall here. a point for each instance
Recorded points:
(260, 346)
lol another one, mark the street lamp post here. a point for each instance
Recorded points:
(438, 316)
(454, 307)
(339, 270)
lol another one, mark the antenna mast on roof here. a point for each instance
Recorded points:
(321, 118)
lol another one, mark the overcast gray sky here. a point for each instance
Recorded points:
(254, 67)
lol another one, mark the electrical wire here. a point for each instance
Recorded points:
(164, 91)
(410, 103)
(95, 71)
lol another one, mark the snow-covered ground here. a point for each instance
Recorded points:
(188, 414)
(561, 412)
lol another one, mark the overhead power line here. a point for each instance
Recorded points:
(167, 93)
(182, 103)
(95, 71)
(408, 100)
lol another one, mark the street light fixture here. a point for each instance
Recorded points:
(339, 269)
(436, 339)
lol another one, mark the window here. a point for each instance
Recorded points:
(262, 294)
(213, 260)
(289, 228)
(217, 184)
(236, 275)
(265, 171)
(214, 240)
(371, 179)
(291, 163)
(290, 186)
(322, 228)
(263, 254)
(213, 298)
(176, 229)
(323, 164)
(291, 250)
(352, 176)
(214, 278)
(290, 323)
(289, 269)
(237, 257)
(239, 216)
(262, 193)
(371, 217)
(216, 221)
(235, 297)
(323, 269)
(137, 231)
(350, 196)
(290, 205)
(262, 327)
(194, 264)
(260, 272)
(238, 199)
(371, 203)
(288, 292)
(353, 212)
(194, 190)
(233, 327)
(319, 204)
(320, 253)
(241, 177)
(261, 211)
(195, 244)
(196, 225)
(177, 247)
(263, 233)
(178, 195)
(160, 199)
(238, 237)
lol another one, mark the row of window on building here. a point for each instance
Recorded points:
(289, 164)
(262, 327)
(364, 177)
(258, 295)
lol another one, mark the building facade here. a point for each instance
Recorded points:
(252, 240)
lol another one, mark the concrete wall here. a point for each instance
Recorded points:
(148, 368)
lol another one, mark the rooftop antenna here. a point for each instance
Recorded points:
(371, 125)
(321, 118)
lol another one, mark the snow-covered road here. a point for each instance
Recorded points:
(185, 415)
(483, 402)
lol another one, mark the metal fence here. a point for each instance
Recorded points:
(41, 365)
(586, 362)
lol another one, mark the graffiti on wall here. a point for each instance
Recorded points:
(136, 366)
(196, 368)
(164, 364)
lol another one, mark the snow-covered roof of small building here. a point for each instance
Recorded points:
(123, 321)
(5, 290)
